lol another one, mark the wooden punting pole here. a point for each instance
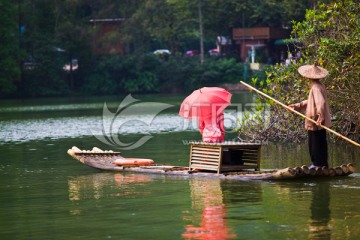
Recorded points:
(300, 114)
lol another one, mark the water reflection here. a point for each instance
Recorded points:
(198, 208)
(40, 186)
(99, 185)
(319, 227)
(207, 197)
(311, 199)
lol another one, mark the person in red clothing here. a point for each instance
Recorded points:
(212, 128)
(207, 105)
(317, 108)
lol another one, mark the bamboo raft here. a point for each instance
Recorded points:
(105, 160)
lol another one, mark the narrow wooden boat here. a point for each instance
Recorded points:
(109, 160)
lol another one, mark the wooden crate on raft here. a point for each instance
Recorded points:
(222, 157)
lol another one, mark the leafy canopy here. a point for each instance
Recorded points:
(330, 36)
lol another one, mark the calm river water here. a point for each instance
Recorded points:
(45, 194)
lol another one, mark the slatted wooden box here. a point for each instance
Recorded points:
(221, 157)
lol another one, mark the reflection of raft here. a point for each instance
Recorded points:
(105, 160)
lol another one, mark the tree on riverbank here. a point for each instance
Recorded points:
(53, 33)
(330, 36)
(9, 49)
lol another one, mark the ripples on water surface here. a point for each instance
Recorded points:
(44, 194)
(26, 123)
(56, 128)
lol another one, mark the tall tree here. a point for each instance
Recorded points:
(72, 30)
(162, 21)
(43, 78)
(10, 33)
(330, 36)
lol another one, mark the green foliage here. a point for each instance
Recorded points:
(228, 68)
(149, 73)
(115, 74)
(9, 49)
(45, 77)
(330, 36)
(173, 22)
(147, 25)
(178, 73)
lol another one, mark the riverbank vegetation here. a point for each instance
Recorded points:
(39, 37)
(330, 36)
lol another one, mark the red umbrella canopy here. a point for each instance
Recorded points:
(205, 102)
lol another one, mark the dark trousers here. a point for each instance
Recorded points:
(318, 147)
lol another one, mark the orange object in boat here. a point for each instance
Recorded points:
(133, 161)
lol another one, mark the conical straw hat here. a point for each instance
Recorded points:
(313, 71)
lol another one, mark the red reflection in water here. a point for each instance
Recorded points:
(207, 195)
(213, 225)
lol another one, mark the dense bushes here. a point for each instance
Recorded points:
(113, 74)
(45, 77)
(9, 51)
(149, 73)
(31, 29)
(330, 37)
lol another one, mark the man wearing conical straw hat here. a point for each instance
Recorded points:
(316, 108)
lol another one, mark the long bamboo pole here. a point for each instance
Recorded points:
(300, 114)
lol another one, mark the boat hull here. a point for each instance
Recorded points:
(108, 160)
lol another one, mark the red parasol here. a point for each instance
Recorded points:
(204, 101)
(207, 104)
